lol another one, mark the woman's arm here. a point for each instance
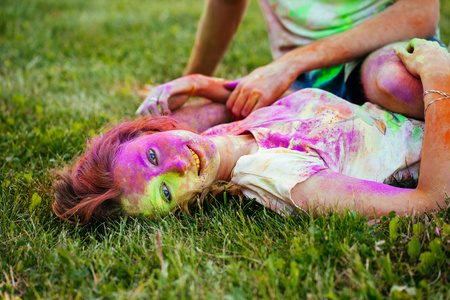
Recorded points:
(202, 114)
(327, 189)
(174, 94)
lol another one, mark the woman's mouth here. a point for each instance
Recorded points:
(197, 160)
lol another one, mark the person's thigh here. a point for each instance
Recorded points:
(387, 82)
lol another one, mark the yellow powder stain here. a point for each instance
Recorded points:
(420, 58)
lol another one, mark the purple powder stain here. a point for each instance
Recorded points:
(387, 59)
(231, 85)
(373, 222)
(437, 231)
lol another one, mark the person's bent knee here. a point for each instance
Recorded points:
(395, 82)
(389, 84)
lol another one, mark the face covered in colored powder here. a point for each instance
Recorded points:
(160, 171)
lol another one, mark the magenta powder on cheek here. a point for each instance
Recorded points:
(131, 171)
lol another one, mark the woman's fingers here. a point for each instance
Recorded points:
(142, 110)
(401, 53)
(420, 55)
(164, 107)
(411, 45)
(150, 104)
(406, 57)
(157, 102)
(167, 90)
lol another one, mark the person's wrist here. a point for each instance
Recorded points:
(442, 97)
(289, 69)
(296, 62)
(436, 81)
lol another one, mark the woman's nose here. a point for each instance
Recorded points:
(177, 165)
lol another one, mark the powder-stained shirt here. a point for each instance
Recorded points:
(293, 23)
(313, 130)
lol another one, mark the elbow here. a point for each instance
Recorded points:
(427, 32)
(426, 18)
(424, 200)
(429, 27)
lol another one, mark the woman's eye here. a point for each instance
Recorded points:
(166, 193)
(152, 156)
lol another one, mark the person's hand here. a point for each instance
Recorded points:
(258, 89)
(172, 95)
(164, 98)
(423, 58)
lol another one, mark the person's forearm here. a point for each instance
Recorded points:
(401, 21)
(217, 27)
(431, 63)
(202, 114)
(435, 154)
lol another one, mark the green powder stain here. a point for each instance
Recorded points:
(345, 11)
(126, 204)
(394, 121)
(417, 134)
(146, 205)
(326, 75)
(300, 15)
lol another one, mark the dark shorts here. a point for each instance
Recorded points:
(343, 80)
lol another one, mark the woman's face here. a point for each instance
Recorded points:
(159, 171)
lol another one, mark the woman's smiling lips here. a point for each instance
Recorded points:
(196, 159)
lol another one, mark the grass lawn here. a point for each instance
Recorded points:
(69, 67)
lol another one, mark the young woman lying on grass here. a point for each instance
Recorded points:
(308, 150)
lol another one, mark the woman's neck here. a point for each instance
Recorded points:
(231, 148)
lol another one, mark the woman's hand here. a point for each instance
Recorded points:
(167, 97)
(174, 94)
(424, 58)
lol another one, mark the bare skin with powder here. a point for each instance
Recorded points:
(388, 83)
(373, 198)
(334, 156)
(160, 171)
(403, 20)
(200, 114)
